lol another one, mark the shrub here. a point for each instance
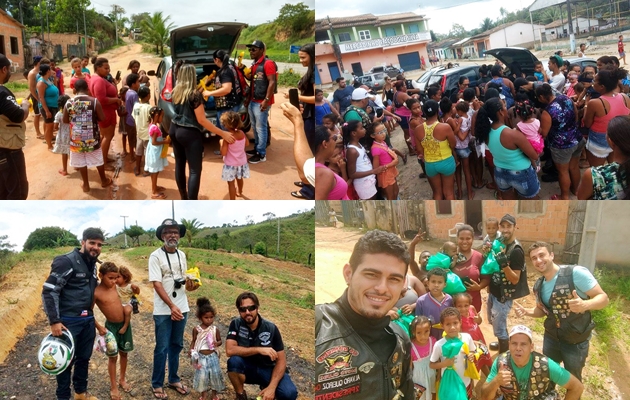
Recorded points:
(289, 78)
(49, 237)
(260, 248)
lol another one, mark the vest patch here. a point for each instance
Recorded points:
(338, 363)
(264, 338)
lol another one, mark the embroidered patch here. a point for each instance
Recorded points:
(337, 362)
(264, 338)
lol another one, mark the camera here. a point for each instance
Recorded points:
(179, 283)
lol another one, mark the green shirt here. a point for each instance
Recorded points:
(557, 374)
(352, 116)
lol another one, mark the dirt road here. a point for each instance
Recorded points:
(272, 179)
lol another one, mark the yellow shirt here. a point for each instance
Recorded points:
(434, 150)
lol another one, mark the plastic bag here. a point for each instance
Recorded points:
(194, 275)
(451, 386)
(106, 344)
(439, 260)
(490, 266)
(471, 369)
(454, 284)
(404, 320)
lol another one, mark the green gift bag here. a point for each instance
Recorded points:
(439, 260)
(451, 386)
(490, 266)
(454, 284)
(404, 320)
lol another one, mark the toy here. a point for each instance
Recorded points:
(246, 70)
(194, 275)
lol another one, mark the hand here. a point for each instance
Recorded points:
(504, 377)
(397, 118)
(269, 352)
(577, 305)
(191, 285)
(264, 106)
(176, 313)
(341, 162)
(56, 329)
(379, 169)
(26, 103)
(472, 285)
(449, 362)
(228, 137)
(520, 310)
(286, 95)
(101, 330)
(267, 393)
(48, 114)
(290, 111)
(393, 314)
(471, 357)
(407, 309)
(418, 237)
(205, 93)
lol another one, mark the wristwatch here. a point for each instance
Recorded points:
(267, 98)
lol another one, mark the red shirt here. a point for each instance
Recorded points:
(620, 46)
(101, 89)
(270, 69)
(471, 268)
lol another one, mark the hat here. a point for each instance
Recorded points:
(558, 59)
(37, 58)
(508, 218)
(521, 329)
(169, 222)
(256, 43)
(360, 94)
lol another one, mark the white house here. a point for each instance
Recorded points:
(558, 28)
(514, 34)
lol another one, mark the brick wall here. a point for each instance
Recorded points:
(439, 224)
(10, 28)
(64, 39)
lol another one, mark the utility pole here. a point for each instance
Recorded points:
(173, 208)
(571, 34)
(85, 32)
(278, 247)
(124, 217)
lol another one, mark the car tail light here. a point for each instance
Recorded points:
(167, 90)
(443, 83)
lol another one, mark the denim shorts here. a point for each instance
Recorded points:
(404, 122)
(445, 167)
(597, 144)
(463, 153)
(525, 182)
(564, 156)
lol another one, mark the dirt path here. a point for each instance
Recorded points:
(272, 179)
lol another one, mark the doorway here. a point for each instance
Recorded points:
(334, 70)
(474, 216)
(356, 68)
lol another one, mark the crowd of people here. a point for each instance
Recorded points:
(561, 124)
(253, 344)
(412, 339)
(97, 103)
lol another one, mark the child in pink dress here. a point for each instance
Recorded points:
(383, 155)
(421, 348)
(234, 158)
(470, 325)
(530, 127)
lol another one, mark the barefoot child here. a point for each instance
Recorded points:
(204, 353)
(530, 127)
(126, 291)
(470, 325)
(383, 155)
(62, 143)
(154, 163)
(107, 300)
(422, 344)
(235, 166)
(141, 117)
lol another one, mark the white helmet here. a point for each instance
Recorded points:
(55, 353)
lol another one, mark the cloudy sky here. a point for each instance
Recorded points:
(192, 12)
(19, 218)
(443, 14)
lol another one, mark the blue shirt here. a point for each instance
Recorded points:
(131, 98)
(343, 97)
(582, 279)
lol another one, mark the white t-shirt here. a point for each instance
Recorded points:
(309, 170)
(159, 271)
(557, 81)
(460, 359)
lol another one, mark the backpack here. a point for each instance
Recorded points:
(241, 87)
(262, 66)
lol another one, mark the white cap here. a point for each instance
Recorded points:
(521, 329)
(360, 94)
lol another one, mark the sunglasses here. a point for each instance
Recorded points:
(247, 308)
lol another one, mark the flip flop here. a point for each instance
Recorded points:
(181, 388)
(158, 196)
(483, 184)
(554, 197)
(158, 393)
(135, 171)
(298, 195)
(127, 389)
(109, 182)
(298, 183)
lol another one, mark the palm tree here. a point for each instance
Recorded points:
(157, 30)
(486, 25)
(192, 228)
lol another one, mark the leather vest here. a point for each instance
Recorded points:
(260, 82)
(365, 118)
(346, 367)
(539, 384)
(562, 324)
(508, 291)
(12, 134)
(185, 116)
(77, 295)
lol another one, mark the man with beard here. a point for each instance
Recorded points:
(68, 297)
(256, 353)
(565, 295)
(359, 352)
(342, 96)
(13, 182)
(167, 272)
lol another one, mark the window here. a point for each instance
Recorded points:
(414, 28)
(14, 46)
(443, 207)
(390, 32)
(364, 35)
(344, 37)
(530, 206)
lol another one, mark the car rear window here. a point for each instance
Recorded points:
(214, 41)
(435, 78)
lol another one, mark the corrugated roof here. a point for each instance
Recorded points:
(11, 18)
(367, 19)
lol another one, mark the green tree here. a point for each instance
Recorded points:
(136, 20)
(50, 237)
(134, 232)
(295, 17)
(260, 248)
(66, 15)
(457, 30)
(486, 25)
(433, 37)
(157, 30)
(193, 227)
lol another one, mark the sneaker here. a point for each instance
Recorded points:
(251, 152)
(257, 158)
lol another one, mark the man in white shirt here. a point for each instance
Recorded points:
(556, 79)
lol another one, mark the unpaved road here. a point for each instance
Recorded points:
(272, 179)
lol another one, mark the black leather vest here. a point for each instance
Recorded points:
(508, 291)
(539, 385)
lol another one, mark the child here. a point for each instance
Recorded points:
(432, 303)
(332, 217)
(492, 233)
(141, 116)
(123, 113)
(126, 291)
(130, 132)
(204, 353)
(154, 163)
(470, 325)
(452, 321)
(359, 166)
(450, 249)
(540, 74)
(62, 143)
(383, 155)
(107, 300)
(330, 122)
(530, 127)
(234, 157)
(571, 82)
(422, 344)
(462, 139)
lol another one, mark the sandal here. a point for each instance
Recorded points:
(158, 393)
(298, 195)
(135, 171)
(179, 388)
(483, 184)
(160, 196)
(107, 183)
(491, 186)
(298, 183)
(127, 389)
(113, 396)
(554, 197)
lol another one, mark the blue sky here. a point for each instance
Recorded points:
(19, 218)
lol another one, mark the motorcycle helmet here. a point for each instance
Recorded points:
(55, 353)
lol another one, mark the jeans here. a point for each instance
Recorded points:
(261, 376)
(223, 111)
(497, 316)
(169, 342)
(13, 182)
(260, 121)
(572, 355)
(83, 333)
(188, 149)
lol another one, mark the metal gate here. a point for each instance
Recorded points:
(352, 213)
(575, 227)
(76, 50)
(58, 51)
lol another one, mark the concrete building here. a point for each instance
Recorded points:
(506, 35)
(442, 49)
(11, 42)
(559, 28)
(365, 41)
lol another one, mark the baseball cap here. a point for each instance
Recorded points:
(360, 94)
(257, 43)
(508, 218)
(37, 58)
(521, 329)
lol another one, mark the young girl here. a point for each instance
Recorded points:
(127, 292)
(421, 348)
(62, 143)
(383, 155)
(204, 353)
(470, 325)
(154, 161)
(234, 158)
(462, 148)
(359, 165)
(330, 122)
(530, 127)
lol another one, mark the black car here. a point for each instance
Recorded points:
(515, 57)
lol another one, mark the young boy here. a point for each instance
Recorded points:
(450, 249)
(126, 291)
(130, 133)
(539, 72)
(451, 321)
(107, 300)
(492, 233)
(141, 117)
(620, 49)
(432, 303)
